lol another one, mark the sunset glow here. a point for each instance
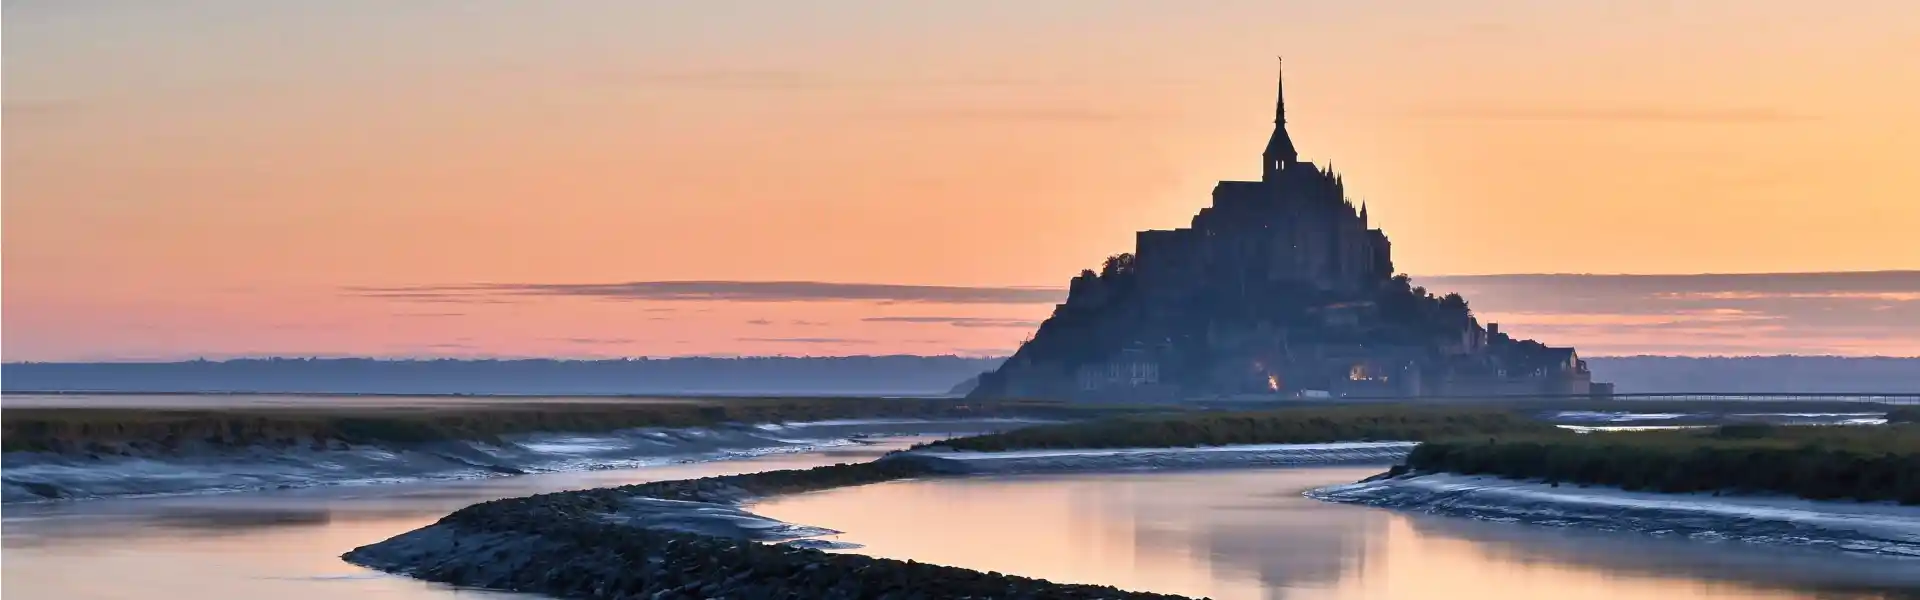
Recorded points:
(223, 178)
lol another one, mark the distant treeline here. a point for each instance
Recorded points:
(847, 375)
(1867, 463)
(850, 375)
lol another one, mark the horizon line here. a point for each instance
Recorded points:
(790, 357)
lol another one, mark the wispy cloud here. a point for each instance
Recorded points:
(428, 315)
(983, 352)
(422, 295)
(959, 321)
(725, 78)
(723, 291)
(759, 322)
(1830, 313)
(1016, 115)
(739, 79)
(1617, 114)
(595, 341)
(805, 340)
(27, 109)
(1817, 313)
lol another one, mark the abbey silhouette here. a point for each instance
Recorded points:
(1279, 288)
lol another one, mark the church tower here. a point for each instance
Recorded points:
(1280, 153)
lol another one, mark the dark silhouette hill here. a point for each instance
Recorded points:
(1278, 287)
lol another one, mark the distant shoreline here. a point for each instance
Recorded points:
(608, 395)
(866, 376)
(1637, 396)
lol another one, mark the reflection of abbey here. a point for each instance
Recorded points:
(1278, 288)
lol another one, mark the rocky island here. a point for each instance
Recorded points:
(1280, 287)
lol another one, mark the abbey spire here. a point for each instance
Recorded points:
(1280, 152)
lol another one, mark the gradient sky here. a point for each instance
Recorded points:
(218, 178)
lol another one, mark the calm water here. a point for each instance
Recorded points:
(1238, 534)
(279, 545)
(1249, 534)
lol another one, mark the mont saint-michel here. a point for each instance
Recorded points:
(1280, 287)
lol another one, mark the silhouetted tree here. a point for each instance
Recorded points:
(1118, 265)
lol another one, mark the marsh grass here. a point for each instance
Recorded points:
(1904, 414)
(1294, 425)
(119, 429)
(1867, 463)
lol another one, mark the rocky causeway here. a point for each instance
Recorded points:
(682, 539)
(692, 539)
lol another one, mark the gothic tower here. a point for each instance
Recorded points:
(1280, 153)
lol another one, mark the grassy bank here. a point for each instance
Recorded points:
(1296, 425)
(1823, 463)
(88, 430)
(1904, 414)
(1534, 405)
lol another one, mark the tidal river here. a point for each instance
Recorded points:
(1225, 534)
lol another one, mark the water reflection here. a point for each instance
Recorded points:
(1249, 534)
(283, 544)
(1723, 562)
(1225, 534)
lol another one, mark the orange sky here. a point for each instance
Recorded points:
(212, 177)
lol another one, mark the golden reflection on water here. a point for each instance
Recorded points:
(1230, 535)
(1249, 534)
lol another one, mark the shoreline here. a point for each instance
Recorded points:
(684, 537)
(59, 428)
(1037, 461)
(592, 535)
(1873, 529)
(134, 472)
(584, 543)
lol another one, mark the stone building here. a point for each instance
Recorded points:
(1279, 287)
